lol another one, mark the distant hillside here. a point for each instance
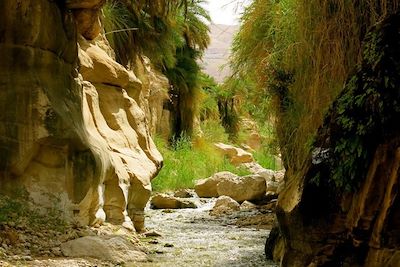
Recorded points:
(218, 52)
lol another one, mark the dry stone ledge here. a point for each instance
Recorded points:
(236, 155)
(224, 205)
(164, 201)
(250, 187)
(116, 249)
(208, 187)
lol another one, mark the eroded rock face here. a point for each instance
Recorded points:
(345, 209)
(153, 98)
(80, 142)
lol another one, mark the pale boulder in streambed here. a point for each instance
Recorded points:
(164, 201)
(208, 187)
(116, 249)
(224, 205)
(250, 187)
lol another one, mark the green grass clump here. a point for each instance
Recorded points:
(265, 159)
(213, 131)
(188, 161)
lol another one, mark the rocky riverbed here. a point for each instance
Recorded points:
(230, 235)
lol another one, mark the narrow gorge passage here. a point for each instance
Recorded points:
(191, 237)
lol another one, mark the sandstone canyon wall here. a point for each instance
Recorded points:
(74, 123)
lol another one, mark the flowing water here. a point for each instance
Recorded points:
(191, 237)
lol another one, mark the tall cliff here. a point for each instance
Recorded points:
(344, 210)
(74, 123)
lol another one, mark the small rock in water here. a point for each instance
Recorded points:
(152, 233)
(164, 201)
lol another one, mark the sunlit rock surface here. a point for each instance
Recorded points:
(74, 123)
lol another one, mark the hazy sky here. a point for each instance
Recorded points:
(225, 11)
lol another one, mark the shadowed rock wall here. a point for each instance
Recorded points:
(344, 210)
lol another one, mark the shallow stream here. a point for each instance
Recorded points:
(191, 237)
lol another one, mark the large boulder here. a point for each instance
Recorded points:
(208, 187)
(250, 187)
(164, 201)
(236, 155)
(114, 248)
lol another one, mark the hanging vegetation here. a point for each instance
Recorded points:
(173, 34)
(301, 53)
